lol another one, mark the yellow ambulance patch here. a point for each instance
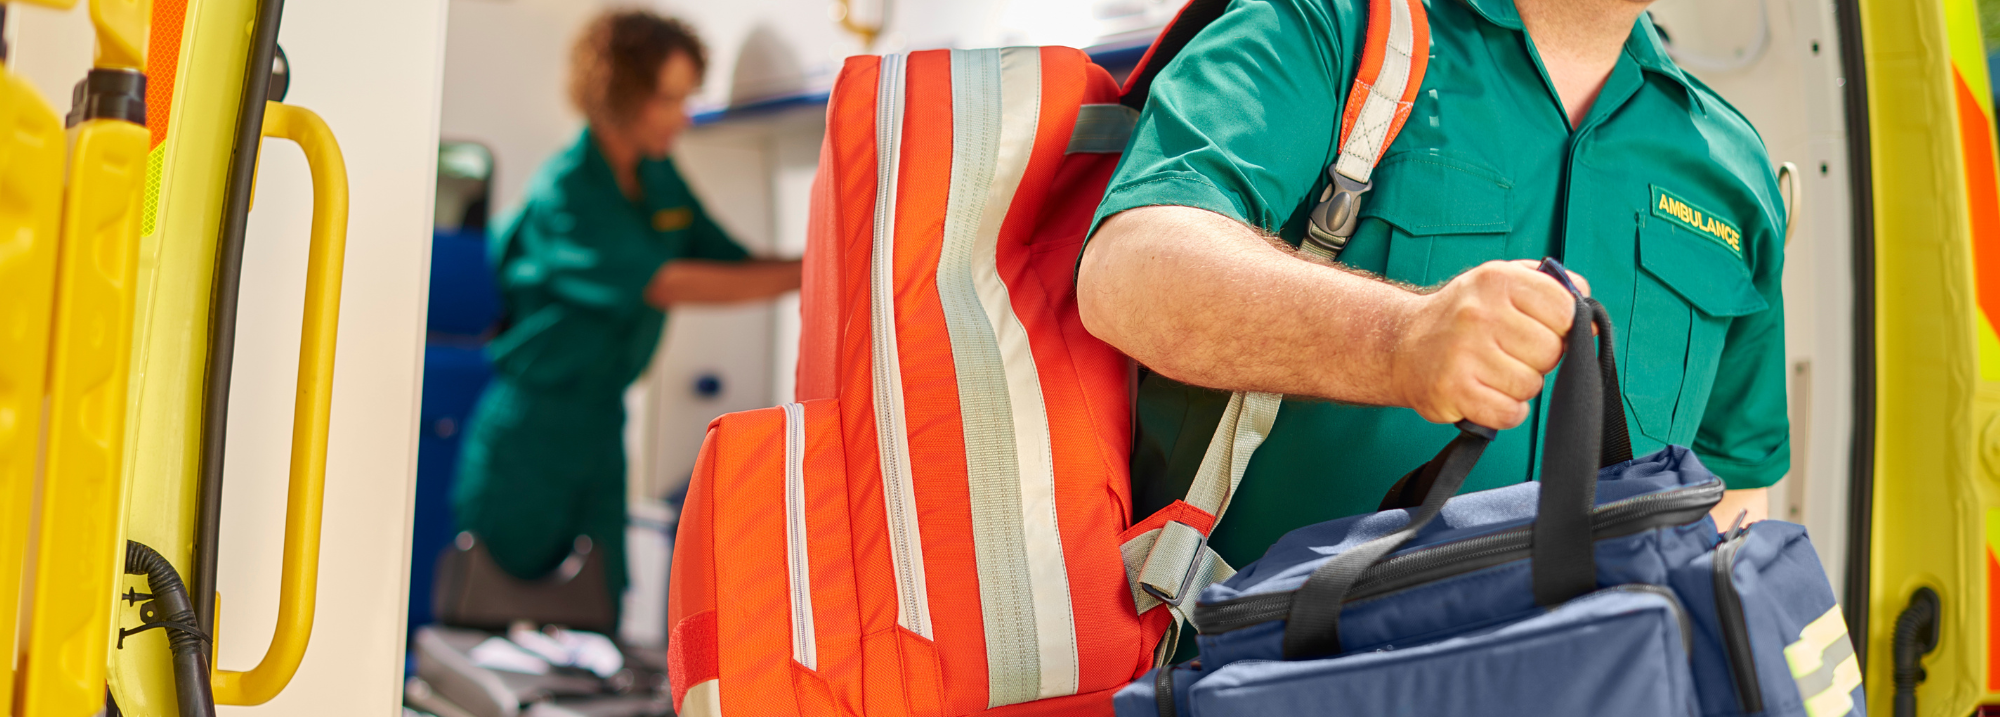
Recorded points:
(670, 220)
(1669, 206)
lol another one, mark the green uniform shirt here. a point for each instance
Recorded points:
(574, 263)
(544, 458)
(1663, 198)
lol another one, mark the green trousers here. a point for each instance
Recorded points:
(539, 469)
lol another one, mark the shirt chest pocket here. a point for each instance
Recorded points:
(1443, 215)
(1686, 291)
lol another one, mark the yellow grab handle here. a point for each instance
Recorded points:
(299, 578)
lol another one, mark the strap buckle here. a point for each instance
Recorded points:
(1188, 573)
(1339, 209)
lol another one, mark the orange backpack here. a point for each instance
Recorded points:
(942, 526)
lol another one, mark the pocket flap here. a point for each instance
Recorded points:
(1709, 277)
(1427, 193)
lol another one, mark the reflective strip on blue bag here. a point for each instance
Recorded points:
(1824, 666)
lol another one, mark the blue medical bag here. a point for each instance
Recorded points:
(1592, 592)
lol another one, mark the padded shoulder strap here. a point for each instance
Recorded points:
(1385, 89)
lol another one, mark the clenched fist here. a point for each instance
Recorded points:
(1477, 349)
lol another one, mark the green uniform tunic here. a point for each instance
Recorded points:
(544, 459)
(1663, 198)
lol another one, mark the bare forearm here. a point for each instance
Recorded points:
(700, 281)
(1206, 300)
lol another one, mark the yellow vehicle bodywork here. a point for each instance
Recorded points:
(31, 180)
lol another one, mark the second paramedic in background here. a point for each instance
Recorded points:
(1542, 128)
(607, 239)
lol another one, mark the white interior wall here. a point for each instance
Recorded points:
(52, 48)
(370, 68)
(756, 178)
(1792, 93)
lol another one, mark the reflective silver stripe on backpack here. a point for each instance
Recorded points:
(1023, 577)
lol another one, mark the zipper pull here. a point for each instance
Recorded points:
(1736, 527)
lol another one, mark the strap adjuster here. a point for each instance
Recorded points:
(1188, 573)
(1333, 219)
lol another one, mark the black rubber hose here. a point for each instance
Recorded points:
(189, 645)
(1916, 635)
(1861, 222)
(222, 305)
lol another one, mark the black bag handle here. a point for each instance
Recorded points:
(1313, 627)
(1409, 491)
(1586, 430)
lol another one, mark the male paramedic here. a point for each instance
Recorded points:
(1542, 128)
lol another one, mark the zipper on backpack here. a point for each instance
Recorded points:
(1735, 630)
(906, 552)
(805, 649)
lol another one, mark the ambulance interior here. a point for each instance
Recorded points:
(444, 108)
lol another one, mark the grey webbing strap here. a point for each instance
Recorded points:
(1174, 563)
(1102, 129)
(1313, 626)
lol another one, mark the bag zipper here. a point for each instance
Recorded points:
(1735, 631)
(899, 505)
(799, 567)
(1680, 611)
(1423, 565)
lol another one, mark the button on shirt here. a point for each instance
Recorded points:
(1663, 197)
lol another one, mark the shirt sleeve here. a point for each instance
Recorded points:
(1242, 122)
(1745, 433)
(581, 256)
(707, 240)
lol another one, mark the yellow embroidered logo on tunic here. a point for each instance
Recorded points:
(675, 219)
(1667, 205)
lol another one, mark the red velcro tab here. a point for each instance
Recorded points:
(691, 658)
(1180, 512)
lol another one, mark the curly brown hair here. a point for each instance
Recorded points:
(615, 64)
